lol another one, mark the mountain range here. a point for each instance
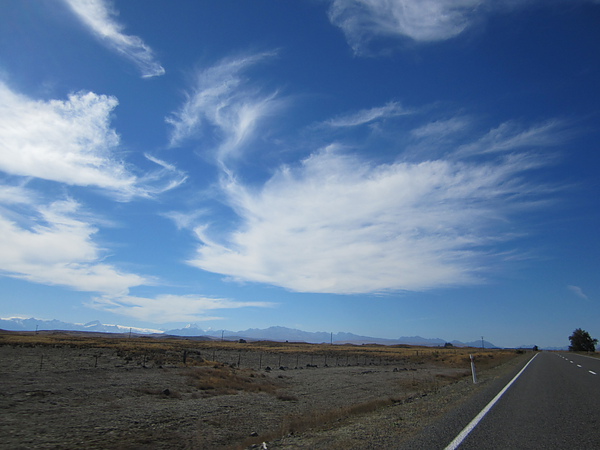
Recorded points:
(31, 324)
(254, 334)
(293, 335)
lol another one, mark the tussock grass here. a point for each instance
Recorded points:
(176, 351)
(299, 423)
(225, 380)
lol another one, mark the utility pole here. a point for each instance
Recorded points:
(482, 345)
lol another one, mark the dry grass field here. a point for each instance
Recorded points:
(83, 390)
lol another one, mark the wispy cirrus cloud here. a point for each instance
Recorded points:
(337, 223)
(578, 292)
(509, 136)
(71, 141)
(99, 17)
(371, 23)
(366, 22)
(441, 128)
(365, 116)
(420, 20)
(53, 244)
(171, 308)
(221, 107)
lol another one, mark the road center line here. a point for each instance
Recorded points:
(466, 430)
(593, 373)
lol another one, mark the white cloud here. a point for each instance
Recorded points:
(71, 142)
(170, 308)
(185, 220)
(392, 109)
(54, 245)
(337, 224)
(99, 17)
(510, 136)
(441, 128)
(578, 292)
(364, 22)
(220, 105)
(419, 20)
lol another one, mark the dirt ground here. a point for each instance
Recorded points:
(64, 397)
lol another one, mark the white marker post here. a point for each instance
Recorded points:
(473, 370)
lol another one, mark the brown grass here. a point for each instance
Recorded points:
(210, 378)
(292, 424)
(224, 380)
(170, 350)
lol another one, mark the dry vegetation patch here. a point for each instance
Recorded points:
(224, 380)
(101, 391)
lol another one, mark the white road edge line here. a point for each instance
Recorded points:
(466, 430)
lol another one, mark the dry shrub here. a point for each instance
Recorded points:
(287, 397)
(224, 380)
(424, 384)
(164, 393)
(318, 419)
(451, 377)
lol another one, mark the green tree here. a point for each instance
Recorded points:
(581, 341)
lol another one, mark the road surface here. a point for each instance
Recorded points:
(553, 404)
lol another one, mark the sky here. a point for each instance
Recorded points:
(386, 168)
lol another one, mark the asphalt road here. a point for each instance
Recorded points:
(554, 404)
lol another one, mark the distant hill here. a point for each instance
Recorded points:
(280, 334)
(293, 335)
(20, 324)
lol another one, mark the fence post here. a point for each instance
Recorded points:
(473, 370)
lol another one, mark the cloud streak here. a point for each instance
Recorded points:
(369, 23)
(578, 292)
(53, 245)
(99, 17)
(419, 20)
(171, 308)
(366, 116)
(220, 104)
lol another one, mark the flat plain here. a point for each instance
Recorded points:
(84, 390)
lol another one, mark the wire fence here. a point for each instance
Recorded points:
(32, 359)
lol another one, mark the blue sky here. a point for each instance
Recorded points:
(417, 167)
